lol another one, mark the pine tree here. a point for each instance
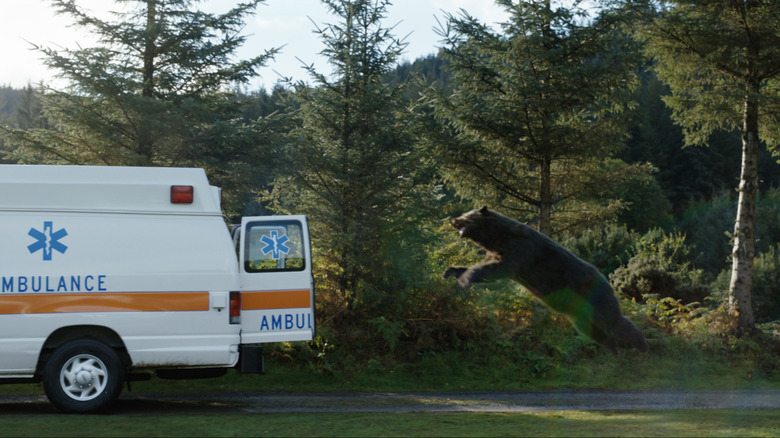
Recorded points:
(537, 109)
(354, 164)
(721, 59)
(154, 91)
(28, 113)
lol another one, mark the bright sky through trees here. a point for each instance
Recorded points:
(277, 23)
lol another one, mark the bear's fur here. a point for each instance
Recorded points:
(550, 272)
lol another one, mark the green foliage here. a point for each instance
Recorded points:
(686, 175)
(765, 293)
(606, 248)
(152, 92)
(708, 225)
(357, 169)
(536, 109)
(551, 91)
(766, 278)
(391, 331)
(710, 53)
(363, 181)
(721, 61)
(660, 265)
(768, 219)
(28, 112)
(646, 204)
(669, 312)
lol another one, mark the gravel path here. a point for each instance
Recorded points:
(401, 402)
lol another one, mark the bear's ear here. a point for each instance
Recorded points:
(483, 210)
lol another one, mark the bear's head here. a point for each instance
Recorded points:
(489, 229)
(468, 223)
(477, 225)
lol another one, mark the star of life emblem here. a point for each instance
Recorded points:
(275, 245)
(47, 240)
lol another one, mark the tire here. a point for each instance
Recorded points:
(83, 376)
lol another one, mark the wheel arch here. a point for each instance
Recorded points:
(63, 335)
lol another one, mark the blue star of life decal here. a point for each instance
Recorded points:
(275, 244)
(47, 240)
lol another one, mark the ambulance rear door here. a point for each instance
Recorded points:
(277, 288)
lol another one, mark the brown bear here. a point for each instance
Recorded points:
(558, 278)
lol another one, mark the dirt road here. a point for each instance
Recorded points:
(400, 402)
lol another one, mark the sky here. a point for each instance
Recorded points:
(277, 23)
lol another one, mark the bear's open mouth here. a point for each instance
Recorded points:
(460, 226)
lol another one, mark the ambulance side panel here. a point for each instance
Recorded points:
(160, 281)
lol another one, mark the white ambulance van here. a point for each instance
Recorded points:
(107, 273)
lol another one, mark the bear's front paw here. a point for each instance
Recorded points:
(453, 271)
(464, 282)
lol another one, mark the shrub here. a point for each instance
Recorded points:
(660, 266)
(765, 292)
(411, 312)
(766, 278)
(606, 248)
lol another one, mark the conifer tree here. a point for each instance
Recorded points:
(721, 59)
(537, 109)
(29, 111)
(353, 160)
(155, 90)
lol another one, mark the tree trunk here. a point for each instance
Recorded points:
(540, 311)
(545, 198)
(740, 306)
(145, 139)
(545, 186)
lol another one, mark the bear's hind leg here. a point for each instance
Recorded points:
(590, 330)
(628, 333)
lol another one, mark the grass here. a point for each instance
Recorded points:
(676, 367)
(563, 423)
(670, 366)
(686, 370)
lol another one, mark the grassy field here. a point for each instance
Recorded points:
(689, 370)
(564, 423)
(692, 369)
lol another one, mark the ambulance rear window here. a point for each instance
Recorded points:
(274, 246)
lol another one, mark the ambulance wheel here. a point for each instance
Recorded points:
(83, 376)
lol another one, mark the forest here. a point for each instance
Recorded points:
(641, 136)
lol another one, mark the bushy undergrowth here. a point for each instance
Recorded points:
(528, 347)
(606, 248)
(660, 265)
(414, 320)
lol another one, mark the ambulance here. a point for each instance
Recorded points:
(110, 273)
